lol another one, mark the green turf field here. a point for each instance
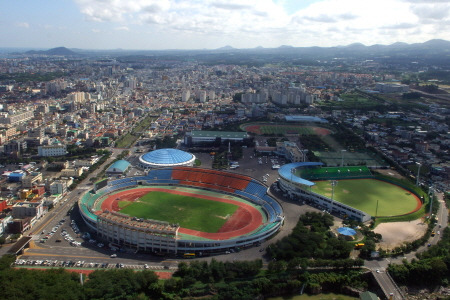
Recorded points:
(363, 194)
(283, 129)
(190, 212)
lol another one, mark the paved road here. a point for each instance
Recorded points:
(382, 264)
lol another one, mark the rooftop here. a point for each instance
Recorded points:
(167, 156)
(222, 134)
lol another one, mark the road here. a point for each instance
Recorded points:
(382, 277)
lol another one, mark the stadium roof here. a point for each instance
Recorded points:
(286, 172)
(297, 118)
(167, 157)
(221, 134)
(121, 165)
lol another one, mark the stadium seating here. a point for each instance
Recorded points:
(237, 184)
(160, 173)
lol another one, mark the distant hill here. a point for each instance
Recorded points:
(227, 47)
(63, 51)
(435, 52)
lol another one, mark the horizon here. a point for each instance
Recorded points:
(213, 24)
(225, 47)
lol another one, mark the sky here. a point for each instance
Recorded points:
(210, 24)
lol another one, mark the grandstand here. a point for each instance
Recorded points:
(229, 183)
(300, 187)
(333, 173)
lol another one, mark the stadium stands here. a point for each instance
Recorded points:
(232, 183)
(244, 186)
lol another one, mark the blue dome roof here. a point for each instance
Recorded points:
(122, 165)
(167, 157)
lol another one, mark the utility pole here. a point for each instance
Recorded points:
(376, 210)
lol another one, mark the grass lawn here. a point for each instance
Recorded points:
(190, 212)
(363, 194)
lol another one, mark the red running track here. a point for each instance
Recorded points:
(246, 218)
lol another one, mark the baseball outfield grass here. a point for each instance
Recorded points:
(363, 194)
(189, 212)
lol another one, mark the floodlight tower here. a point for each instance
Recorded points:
(418, 173)
(431, 196)
(333, 184)
(342, 157)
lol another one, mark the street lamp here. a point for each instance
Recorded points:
(342, 157)
(431, 196)
(418, 173)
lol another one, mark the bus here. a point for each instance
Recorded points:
(189, 255)
(359, 245)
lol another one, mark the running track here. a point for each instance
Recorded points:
(253, 216)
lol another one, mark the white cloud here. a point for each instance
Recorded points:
(23, 25)
(248, 23)
(122, 28)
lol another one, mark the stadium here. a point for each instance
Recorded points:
(182, 210)
(351, 192)
(164, 158)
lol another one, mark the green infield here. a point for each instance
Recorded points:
(283, 129)
(190, 212)
(363, 194)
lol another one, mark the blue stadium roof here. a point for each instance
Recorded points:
(122, 165)
(167, 157)
(286, 172)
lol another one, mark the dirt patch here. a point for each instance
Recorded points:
(396, 233)
(161, 275)
(239, 219)
(389, 172)
(253, 129)
(321, 131)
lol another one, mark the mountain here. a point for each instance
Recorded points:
(63, 51)
(227, 48)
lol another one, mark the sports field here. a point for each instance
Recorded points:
(268, 128)
(363, 194)
(189, 212)
(336, 158)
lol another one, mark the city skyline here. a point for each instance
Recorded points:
(158, 25)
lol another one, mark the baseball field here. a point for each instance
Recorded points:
(189, 212)
(367, 194)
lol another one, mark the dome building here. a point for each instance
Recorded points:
(166, 158)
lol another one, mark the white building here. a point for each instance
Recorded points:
(202, 96)
(185, 95)
(25, 209)
(52, 150)
(4, 223)
(58, 187)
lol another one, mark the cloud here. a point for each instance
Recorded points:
(400, 26)
(23, 25)
(267, 23)
(230, 6)
(435, 12)
(123, 28)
